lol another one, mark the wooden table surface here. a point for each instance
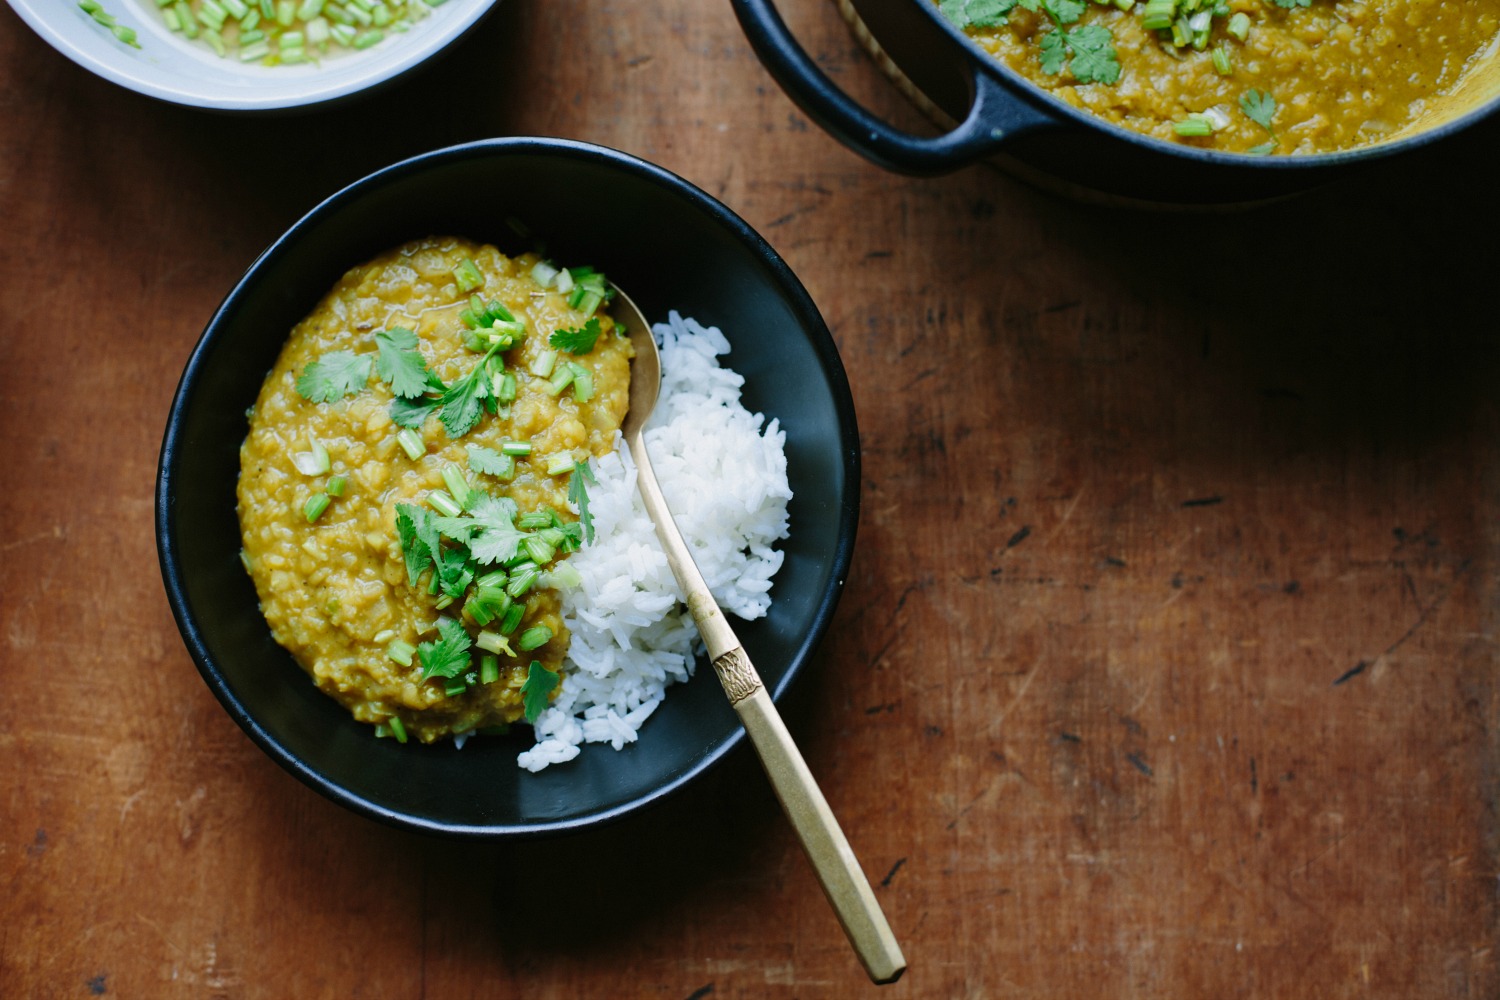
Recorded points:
(1166, 667)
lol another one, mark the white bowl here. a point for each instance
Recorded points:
(172, 68)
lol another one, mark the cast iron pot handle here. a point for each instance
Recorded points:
(995, 117)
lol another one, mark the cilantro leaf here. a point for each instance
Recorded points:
(578, 495)
(1064, 11)
(449, 656)
(535, 692)
(579, 341)
(420, 544)
(488, 527)
(1054, 52)
(1259, 107)
(461, 403)
(413, 412)
(454, 571)
(1094, 59)
(400, 362)
(333, 376)
(977, 13)
(490, 462)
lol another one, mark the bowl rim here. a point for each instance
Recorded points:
(809, 320)
(133, 69)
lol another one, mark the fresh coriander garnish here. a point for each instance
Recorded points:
(488, 528)
(333, 376)
(578, 482)
(399, 363)
(490, 462)
(467, 276)
(449, 656)
(1293, 4)
(1260, 107)
(536, 691)
(578, 341)
(462, 402)
(1088, 52)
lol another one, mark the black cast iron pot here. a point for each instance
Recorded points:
(995, 113)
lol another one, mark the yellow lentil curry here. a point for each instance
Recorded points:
(381, 551)
(1250, 76)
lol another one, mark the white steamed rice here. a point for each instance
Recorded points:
(724, 476)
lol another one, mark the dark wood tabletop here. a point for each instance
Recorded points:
(1166, 667)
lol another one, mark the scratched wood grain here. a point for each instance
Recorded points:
(1166, 667)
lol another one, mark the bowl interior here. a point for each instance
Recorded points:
(670, 247)
(172, 68)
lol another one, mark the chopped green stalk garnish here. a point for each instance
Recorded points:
(489, 668)
(443, 504)
(512, 618)
(401, 652)
(494, 643)
(458, 486)
(126, 35)
(560, 464)
(455, 687)
(541, 365)
(537, 548)
(368, 39)
(583, 382)
(398, 728)
(543, 274)
(1239, 26)
(535, 519)
(336, 485)
(563, 576)
(257, 51)
(537, 635)
(443, 601)
(315, 506)
(521, 582)
(321, 462)
(477, 611)
(466, 274)
(494, 578)
(411, 442)
(493, 597)
(515, 448)
(505, 389)
(562, 377)
(1193, 126)
(536, 691)
(1222, 65)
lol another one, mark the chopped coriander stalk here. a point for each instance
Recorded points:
(443, 504)
(466, 275)
(315, 506)
(411, 442)
(336, 485)
(458, 486)
(515, 448)
(489, 668)
(401, 652)
(534, 637)
(560, 464)
(1193, 126)
(398, 728)
(494, 643)
(512, 619)
(541, 365)
(544, 274)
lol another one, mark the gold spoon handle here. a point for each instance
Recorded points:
(827, 848)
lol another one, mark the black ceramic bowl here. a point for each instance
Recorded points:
(671, 247)
(989, 112)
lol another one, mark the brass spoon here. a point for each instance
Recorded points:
(827, 848)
